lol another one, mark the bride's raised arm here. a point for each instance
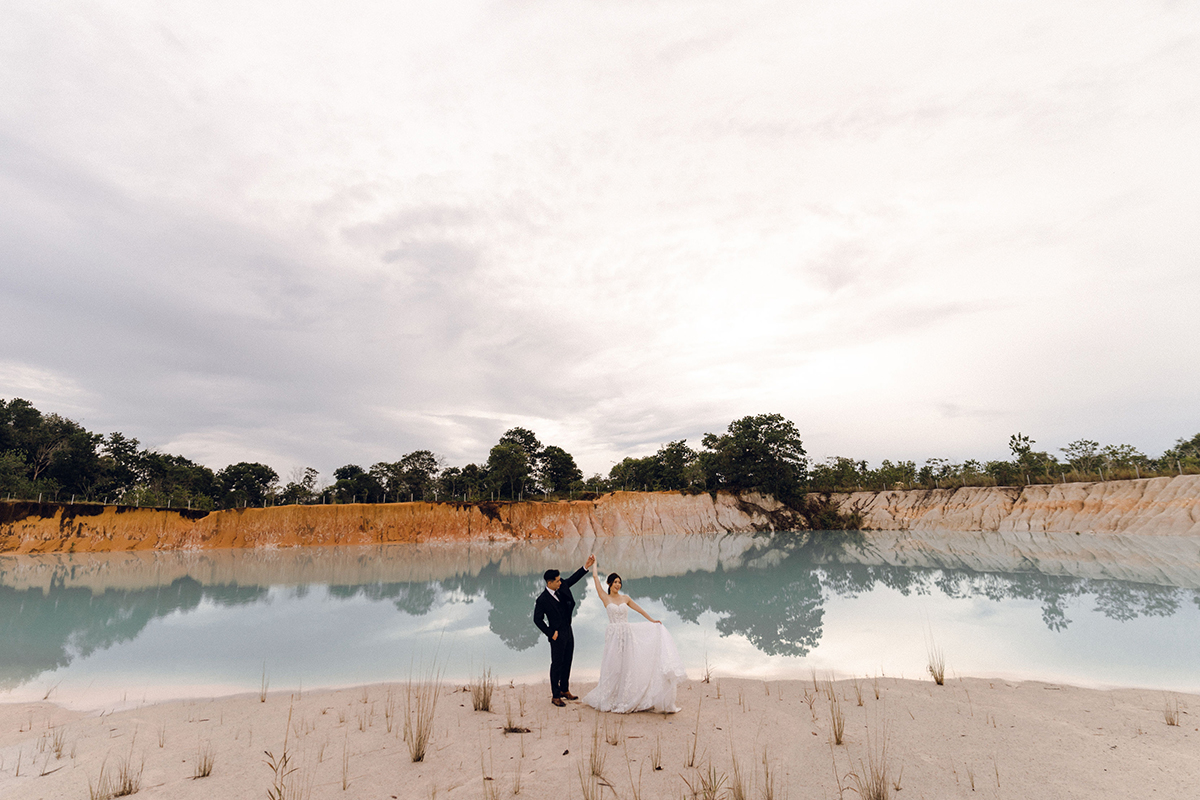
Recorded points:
(596, 580)
(638, 609)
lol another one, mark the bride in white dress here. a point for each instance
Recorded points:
(640, 668)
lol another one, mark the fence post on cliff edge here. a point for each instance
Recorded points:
(1178, 467)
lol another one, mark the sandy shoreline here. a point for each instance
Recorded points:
(1018, 740)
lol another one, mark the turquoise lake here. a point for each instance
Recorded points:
(113, 629)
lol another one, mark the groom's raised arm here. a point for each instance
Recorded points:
(575, 576)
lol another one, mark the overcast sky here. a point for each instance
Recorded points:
(319, 233)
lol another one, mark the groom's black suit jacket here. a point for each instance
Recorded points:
(551, 615)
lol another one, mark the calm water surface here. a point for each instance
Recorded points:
(106, 629)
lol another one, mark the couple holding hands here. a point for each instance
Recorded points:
(640, 668)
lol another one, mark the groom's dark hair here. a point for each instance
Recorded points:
(550, 575)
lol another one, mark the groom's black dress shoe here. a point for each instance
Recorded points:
(558, 701)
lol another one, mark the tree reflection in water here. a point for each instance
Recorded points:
(774, 593)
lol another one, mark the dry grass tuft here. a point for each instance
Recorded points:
(420, 704)
(205, 759)
(937, 664)
(58, 741)
(481, 691)
(389, 710)
(281, 766)
(691, 762)
(597, 756)
(510, 723)
(871, 778)
(811, 698)
(837, 719)
(710, 784)
(738, 789)
(592, 785)
(769, 778)
(612, 734)
(1171, 710)
(634, 788)
(126, 780)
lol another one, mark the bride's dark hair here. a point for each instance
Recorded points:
(612, 576)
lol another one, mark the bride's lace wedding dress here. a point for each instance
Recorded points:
(640, 669)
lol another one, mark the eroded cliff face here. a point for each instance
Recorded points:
(45, 528)
(1162, 506)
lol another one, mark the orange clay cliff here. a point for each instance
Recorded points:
(1162, 506)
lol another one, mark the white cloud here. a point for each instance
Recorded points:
(344, 231)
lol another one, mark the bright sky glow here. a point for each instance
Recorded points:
(329, 233)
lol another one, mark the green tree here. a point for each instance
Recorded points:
(13, 475)
(475, 480)
(636, 474)
(451, 483)
(761, 453)
(837, 473)
(557, 469)
(597, 484)
(419, 470)
(1185, 453)
(174, 480)
(301, 488)
(120, 464)
(1123, 456)
(58, 453)
(353, 484)
(246, 483)
(525, 439)
(1020, 445)
(508, 468)
(673, 466)
(902, 474)
(1083, 455)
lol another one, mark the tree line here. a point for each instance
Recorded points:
(1081, 460)
(49, 457)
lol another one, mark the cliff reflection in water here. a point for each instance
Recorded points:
(773, 589)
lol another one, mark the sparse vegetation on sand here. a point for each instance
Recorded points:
(420, 704)
(936, 663)
(932, 741)
(481, 688)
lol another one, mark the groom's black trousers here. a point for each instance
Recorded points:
(562, 650)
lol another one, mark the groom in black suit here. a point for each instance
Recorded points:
(552, 614)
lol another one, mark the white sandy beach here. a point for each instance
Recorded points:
(970, 738)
